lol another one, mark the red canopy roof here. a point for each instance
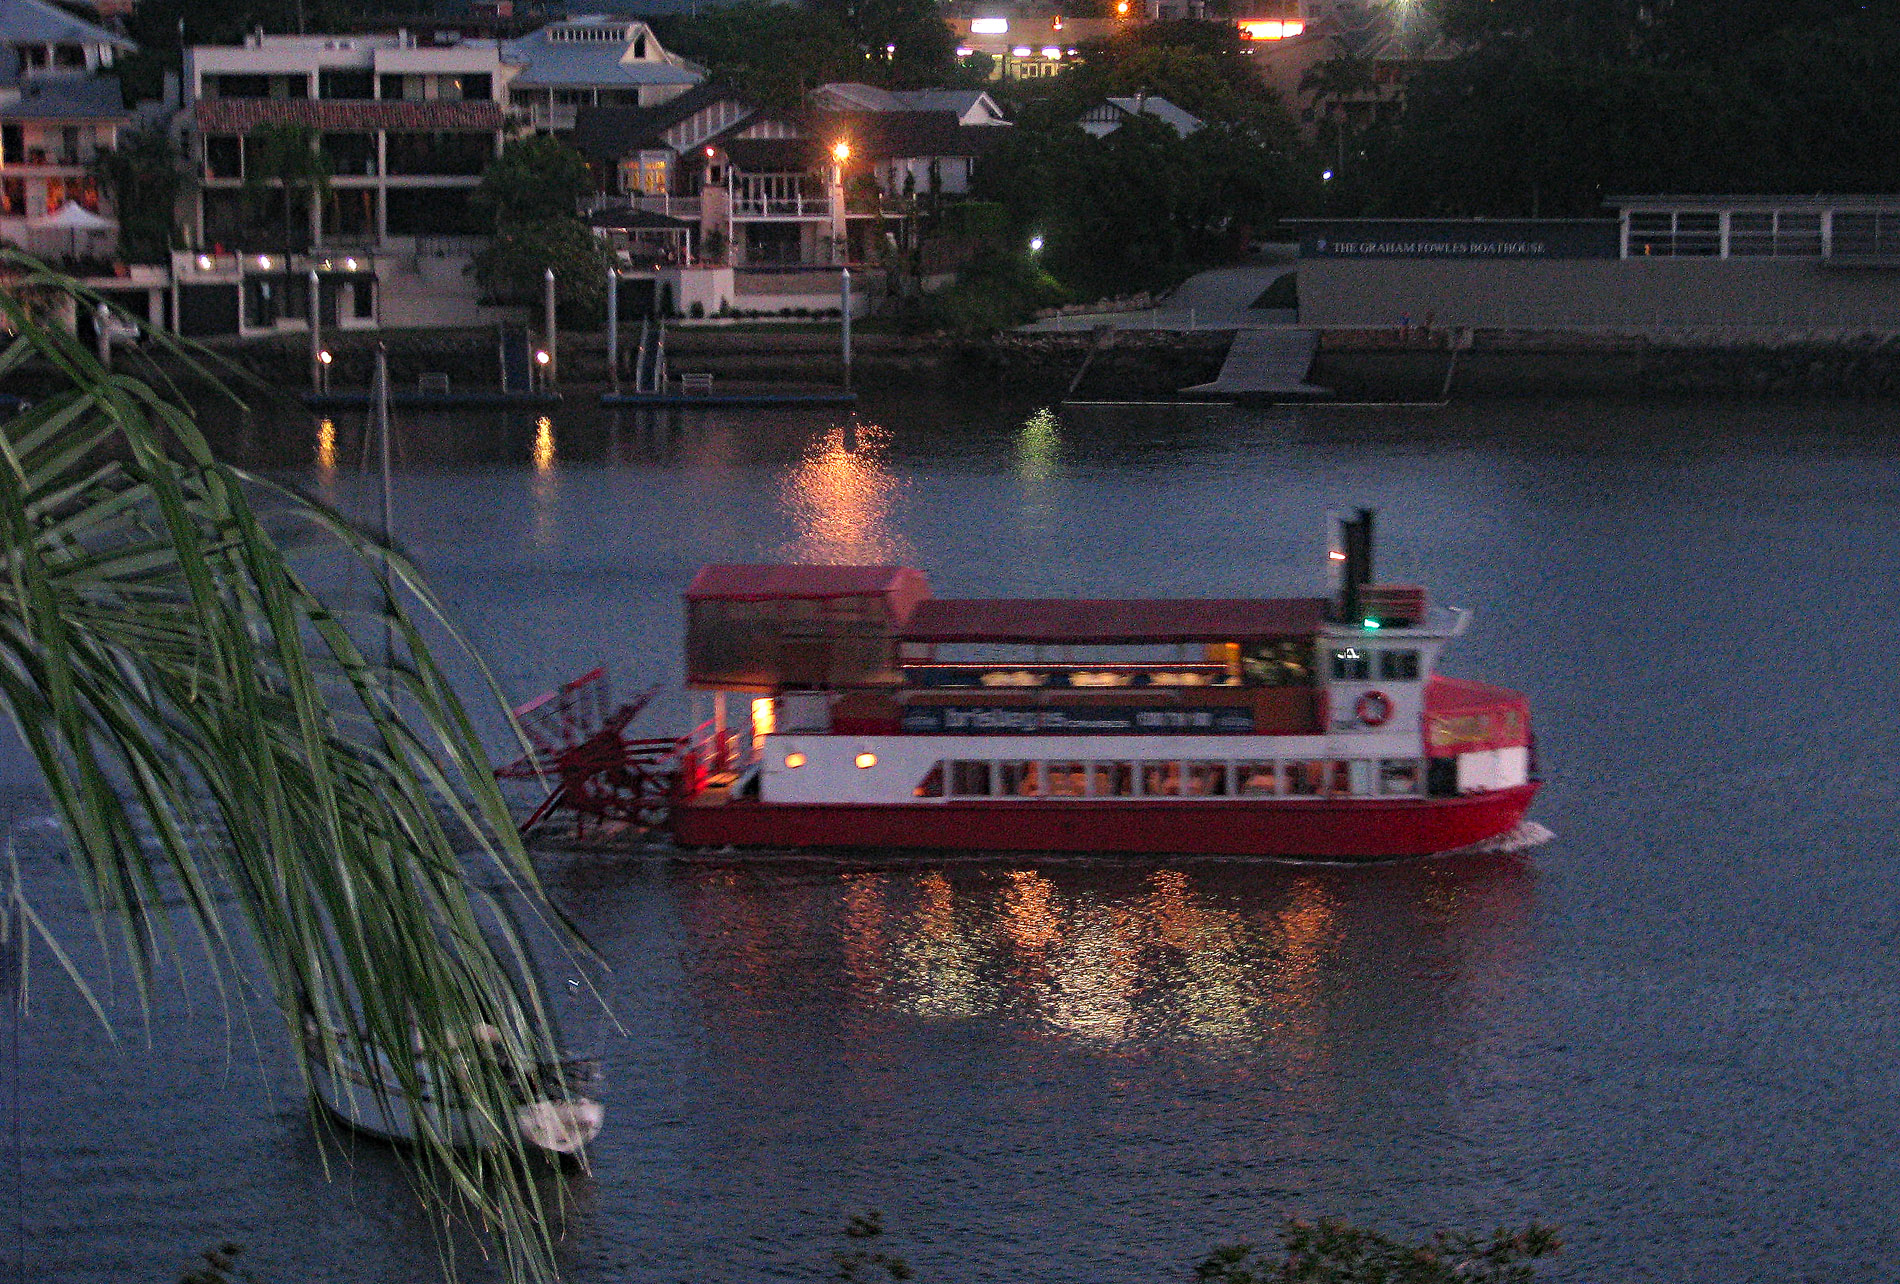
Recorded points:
(1462, 716)
(773, 583)
(1135, 620)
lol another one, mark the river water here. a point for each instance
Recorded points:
(1672, 1030)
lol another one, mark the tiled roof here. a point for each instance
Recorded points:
(33, 22)
(775, 155)
(68, 98)
(609, 133)
(240, 115)
(880, 135)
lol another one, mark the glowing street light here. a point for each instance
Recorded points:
(541, 356)
(1035, 244)
(841, 151)
(1326, 176)
(325, 358)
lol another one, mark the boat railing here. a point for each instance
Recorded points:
(709, 754)
(1075, 677)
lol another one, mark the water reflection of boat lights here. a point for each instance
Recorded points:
(840, 496)
(326, 446)
(543, 487)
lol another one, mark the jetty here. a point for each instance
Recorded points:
(1266, 365)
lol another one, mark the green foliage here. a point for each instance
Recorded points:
(285, 776)
(511, 269)
(143, 176)
(866, 1262)
(534, 177)
(1336, 1252)
(997, 290)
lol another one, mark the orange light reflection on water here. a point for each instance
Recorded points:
(840, 496)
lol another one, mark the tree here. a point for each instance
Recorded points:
(143, 176)
(513, 266)
(225, 746)
(534, 178)
(283, 167)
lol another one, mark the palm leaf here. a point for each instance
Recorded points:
(210, 728)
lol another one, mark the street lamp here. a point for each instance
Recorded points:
(1035, 243)
(841, 151)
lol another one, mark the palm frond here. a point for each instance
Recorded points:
(211, 728)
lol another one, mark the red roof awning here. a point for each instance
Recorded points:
(241, 115)
(774, 583)
(1057, 622)
(1462, 716)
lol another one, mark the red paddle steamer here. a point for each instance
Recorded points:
(883, 717)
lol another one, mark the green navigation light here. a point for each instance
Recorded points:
(1370, 623)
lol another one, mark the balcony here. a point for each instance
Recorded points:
(680, 207)
(786, 207)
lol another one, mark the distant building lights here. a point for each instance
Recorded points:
(1051, 52)
(541, 356)
(349, 265)
(204, 262)
(1020, 51)
(1271, 28)
(1121, 8)
(263, 262)
(1035, 244)
(989, 26)
(1056, 23)
(964, 51)
(1326, 176)
(325, 357)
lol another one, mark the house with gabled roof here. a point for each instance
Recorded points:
(970, 106)
(1111, 114)
(592, 60)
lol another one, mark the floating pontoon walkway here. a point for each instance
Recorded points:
(430, 400)
(1266, 365)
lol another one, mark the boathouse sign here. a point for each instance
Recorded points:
(1081, 720)
(1459, 238)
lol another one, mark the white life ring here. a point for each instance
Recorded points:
(1374, 708)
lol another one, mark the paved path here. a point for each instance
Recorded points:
(1218, 299)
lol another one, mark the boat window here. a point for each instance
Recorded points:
(1398, 666)
(1207, 779)
(1353, 777)
(970, 779)
(1068, 779)
(1019, 779)
(931, 786)
(1283, 662)
(1305, 779)
(1398, 775)
(1441, 777)
(1114, 779)
(1352, 665)
(1160, 778)
(1254, 778)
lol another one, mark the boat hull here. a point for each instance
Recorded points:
(1318, 829)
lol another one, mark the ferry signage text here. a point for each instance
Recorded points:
(966, 720)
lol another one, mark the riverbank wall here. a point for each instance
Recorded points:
(1357, 365)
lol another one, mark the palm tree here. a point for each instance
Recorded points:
(213, 735)
(284, 160)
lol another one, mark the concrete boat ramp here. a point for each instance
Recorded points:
(1266, 365)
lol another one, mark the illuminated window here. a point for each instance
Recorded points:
(1351, 778)
(1305, 779)
(1067, 780)
(1207, 779)
(1113, 779)
(931, 786)
(970, 779)
(1161, 779)
(1398, 775)
(1019, 779)
(1255, 778)
(989, 26)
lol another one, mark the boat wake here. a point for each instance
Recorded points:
(1524, 836)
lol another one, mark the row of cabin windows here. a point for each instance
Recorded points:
(1170, 778)
(1357, 664)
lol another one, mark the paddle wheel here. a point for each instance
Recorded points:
(578, 741)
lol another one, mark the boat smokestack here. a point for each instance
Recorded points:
(1355, 537)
